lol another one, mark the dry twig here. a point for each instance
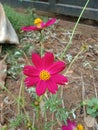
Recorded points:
(83, 97)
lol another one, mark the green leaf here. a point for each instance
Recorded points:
(89, 111)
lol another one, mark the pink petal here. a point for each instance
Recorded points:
(37, 61)
(52, 87)
(29, 28)
(30, 71)
(48, 59)
(66, 128)
(31, 81)
(41, 88)
(59, 79)
(70, 125)
(43, 25)
(57, 67)
(50, 22)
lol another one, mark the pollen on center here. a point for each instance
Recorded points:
(38, 22)
(44, 75)
(80, 127)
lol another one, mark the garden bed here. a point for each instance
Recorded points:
(83, 75)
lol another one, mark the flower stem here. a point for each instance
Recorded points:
(75, 58)
(3, 87)
(21, 96)
(41, 42)
(74, 29)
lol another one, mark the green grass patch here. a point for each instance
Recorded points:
(19, 19)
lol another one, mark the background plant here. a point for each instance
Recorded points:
(92, 107)
(18, 19)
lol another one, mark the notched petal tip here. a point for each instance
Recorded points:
(30, 71)
(48, 59)
(41, 88)
(57, 67)
(50, 22)
(29, 81)
(37, 60)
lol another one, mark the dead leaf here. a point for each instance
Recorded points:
(3, 71)
(90, 121)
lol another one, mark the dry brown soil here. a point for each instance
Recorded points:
(83, 74)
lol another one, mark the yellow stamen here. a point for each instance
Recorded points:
(38, 22)
(44, 75)
(80, 127)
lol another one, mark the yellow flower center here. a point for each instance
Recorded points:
(79, 127)
(38, 22)
(44, 75)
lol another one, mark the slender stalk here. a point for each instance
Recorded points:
(83, 99)
(2, 115)
(3, 87)
(19, 97)
(52, 121)
(75, 58)
(33, 120)
(74, 29)
(27, 60)
(95, 87)
(41, 48)
(41, 42)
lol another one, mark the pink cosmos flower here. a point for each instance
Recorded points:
(39, 24)
(70, 125)
(45, 73)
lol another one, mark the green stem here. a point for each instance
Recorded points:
(41, 42)
(3, 87)
(41, 48)
(74, 29)
(75, 58)
(21, 97)
(40, 98)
